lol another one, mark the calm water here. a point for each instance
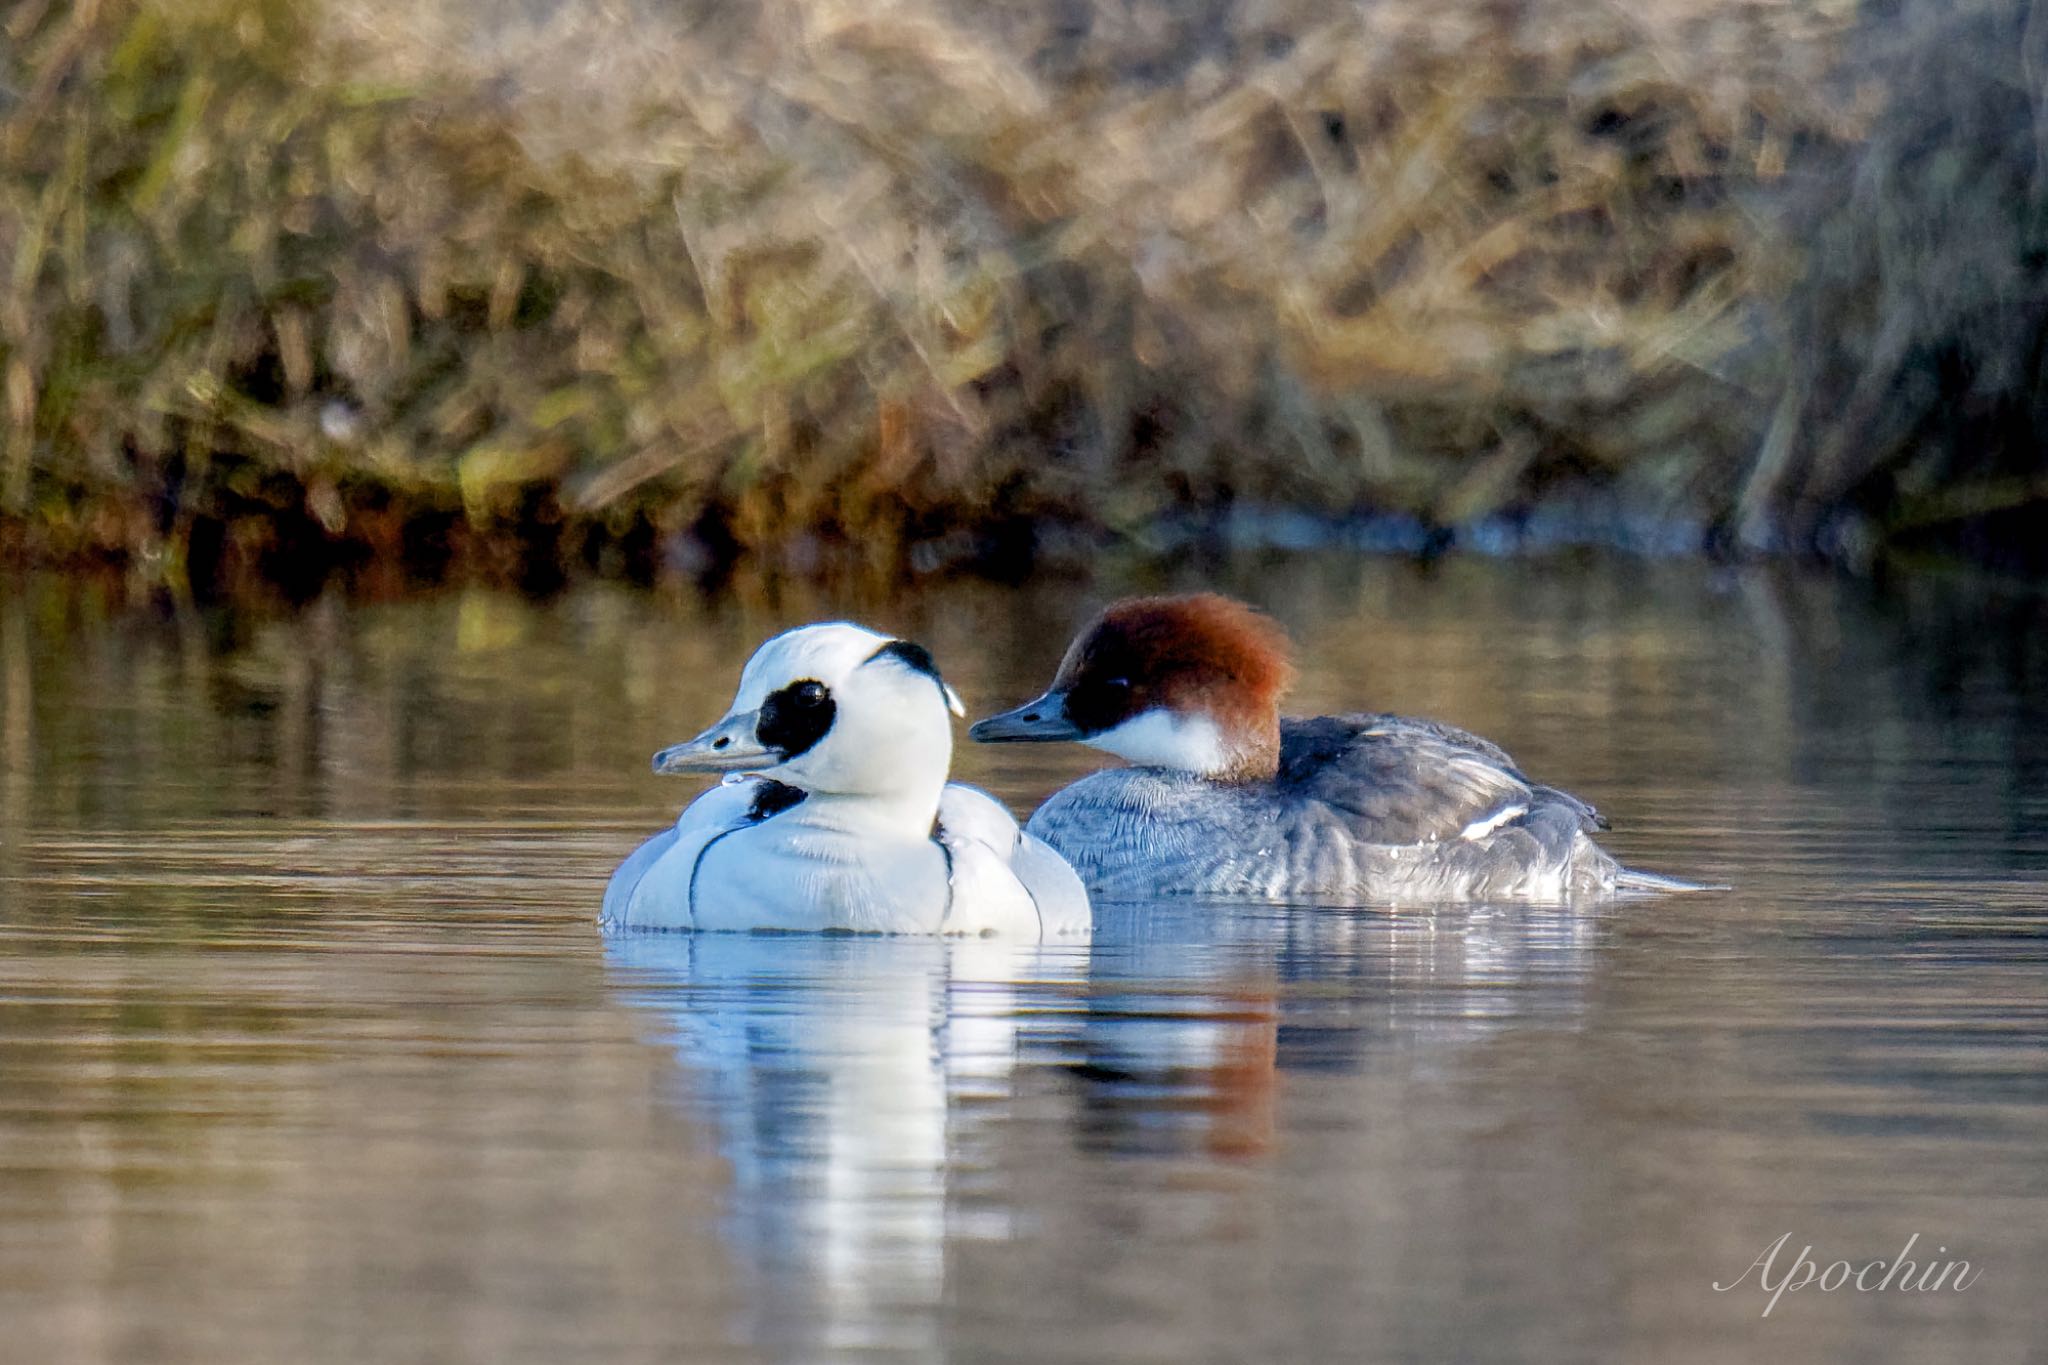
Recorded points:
(309, 1050)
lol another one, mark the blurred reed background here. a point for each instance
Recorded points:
(934, 285)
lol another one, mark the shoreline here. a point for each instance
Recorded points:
(299, 558)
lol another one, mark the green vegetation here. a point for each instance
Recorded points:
(886, 283)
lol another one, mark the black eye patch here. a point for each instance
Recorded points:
(795, 717)
(1096, 702)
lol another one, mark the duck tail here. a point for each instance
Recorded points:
(1629, 880)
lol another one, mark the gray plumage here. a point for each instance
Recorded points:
(1364, 808)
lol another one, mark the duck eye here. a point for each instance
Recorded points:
(808, 693)
(1117, 685)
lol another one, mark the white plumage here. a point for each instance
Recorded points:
(838, 814)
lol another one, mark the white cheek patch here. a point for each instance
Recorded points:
(1161, 739)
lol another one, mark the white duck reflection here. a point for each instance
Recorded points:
(833, 1068)
(872, 1095)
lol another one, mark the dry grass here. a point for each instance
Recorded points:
(1915, 395)
(863, 280)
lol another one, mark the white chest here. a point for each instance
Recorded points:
(787, 875)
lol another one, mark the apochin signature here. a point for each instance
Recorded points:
(1873, 1277)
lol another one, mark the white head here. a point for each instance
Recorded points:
(839, 711)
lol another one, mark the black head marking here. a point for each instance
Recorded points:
(917, 659)
(795, 717)
(914, 657)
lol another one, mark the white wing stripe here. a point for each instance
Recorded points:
(1487, 824)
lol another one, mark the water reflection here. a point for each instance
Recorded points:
(1193, 1011)
(848, 1078)
(311, 1052)
(858, 1086)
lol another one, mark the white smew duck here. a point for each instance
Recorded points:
(837, 814)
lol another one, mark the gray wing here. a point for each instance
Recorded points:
(1401, 780)
(1046, 888)
(1055, 888)
(618, 892)
(734, 803)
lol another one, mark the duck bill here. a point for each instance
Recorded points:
(727, 747)
(1035, 722)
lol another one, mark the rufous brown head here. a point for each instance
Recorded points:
(1190, 682)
